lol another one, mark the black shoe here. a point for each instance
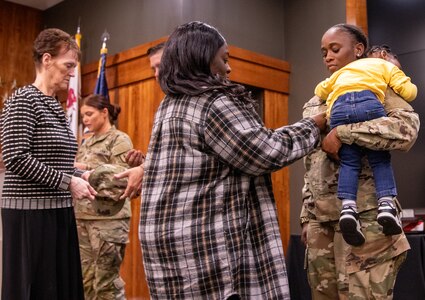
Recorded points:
(350, 226)
(388, 218)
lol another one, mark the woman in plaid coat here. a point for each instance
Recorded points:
(208, 224)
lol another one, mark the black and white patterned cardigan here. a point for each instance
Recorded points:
(38, 151)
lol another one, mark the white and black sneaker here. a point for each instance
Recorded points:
(350, 226)
(388, 218)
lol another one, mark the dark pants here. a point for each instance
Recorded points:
(357, 107)
(41, 258)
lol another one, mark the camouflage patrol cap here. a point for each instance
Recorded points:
(109, 190)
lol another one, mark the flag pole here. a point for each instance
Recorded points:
(74, 91)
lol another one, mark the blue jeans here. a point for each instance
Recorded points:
(357, 107)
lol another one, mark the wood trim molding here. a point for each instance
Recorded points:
(247, 67)
(19, 26)
(275, 116)
(356, 13)
(124, 68)
(259, 70)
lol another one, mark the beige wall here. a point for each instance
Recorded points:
(249, 24)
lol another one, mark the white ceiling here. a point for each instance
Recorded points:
(39, 4)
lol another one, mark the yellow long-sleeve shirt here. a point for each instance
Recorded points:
(374, 74)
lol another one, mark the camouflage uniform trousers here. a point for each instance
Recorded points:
(102, 247)
(331, 263)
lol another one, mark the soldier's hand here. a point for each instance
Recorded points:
(134, 158)
(304, 234)
(134, 185)
(331, 144)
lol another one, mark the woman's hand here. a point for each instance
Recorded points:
(81, 189)
(331, 144)
(320, 120)
(135, 158)
(86, 175)
(134, 185)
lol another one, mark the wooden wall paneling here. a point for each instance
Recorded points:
(118, 74)
(259, 70)
(132, 85)
(132, 270)
(124, 68)
(356, 13)
(138, 104)
(19, 26)
(276, 115)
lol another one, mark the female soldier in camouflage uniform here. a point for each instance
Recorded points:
(102, 237)
(335, 269)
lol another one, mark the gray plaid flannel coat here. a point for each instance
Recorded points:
(208, 225)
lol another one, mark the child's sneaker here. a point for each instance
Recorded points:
(388, 218)
(350, 226)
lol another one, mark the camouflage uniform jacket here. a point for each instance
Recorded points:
(109, 148)
(398, 131)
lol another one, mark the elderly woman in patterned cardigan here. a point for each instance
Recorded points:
(41, 258)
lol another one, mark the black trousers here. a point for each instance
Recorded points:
(41, 258)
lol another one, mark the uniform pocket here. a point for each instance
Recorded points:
(115, 231)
